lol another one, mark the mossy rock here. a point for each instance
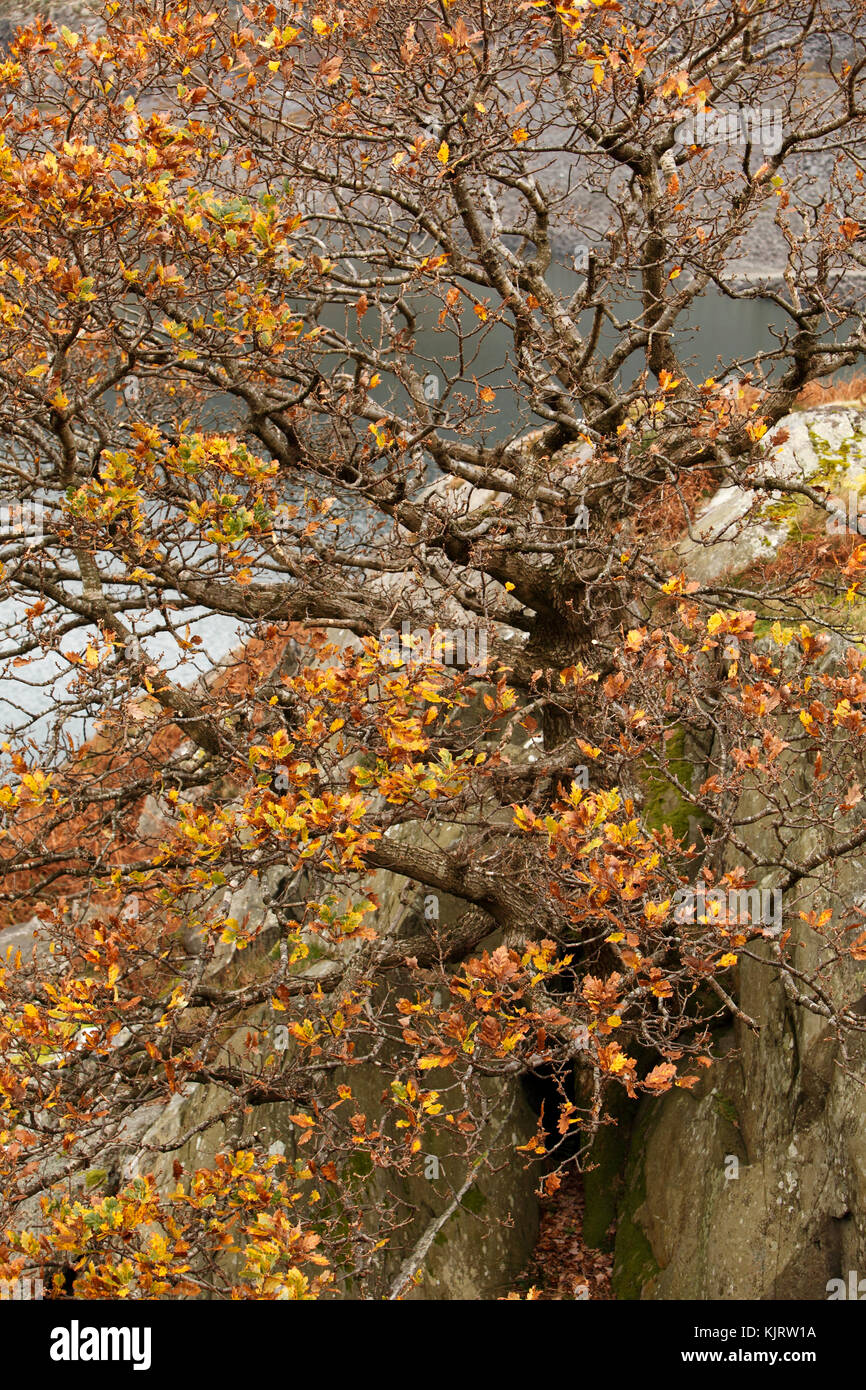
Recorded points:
(727, 1109)
(604, 1182)
(663, 804)
(474, 1200)
(634, 1264)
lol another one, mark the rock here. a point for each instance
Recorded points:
(752, 1185)
(737, 527)
(484, 1244)
(26, 937)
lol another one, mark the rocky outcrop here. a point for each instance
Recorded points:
(485, 1241)
(753, 1185)
(736, 528)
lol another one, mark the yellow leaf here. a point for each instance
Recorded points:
(442, 153)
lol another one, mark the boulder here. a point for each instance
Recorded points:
(738, 526)
(753, 1185)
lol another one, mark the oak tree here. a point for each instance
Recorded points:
(356, 339)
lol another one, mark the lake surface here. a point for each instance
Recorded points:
(718, 333)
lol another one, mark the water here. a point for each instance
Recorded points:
(718, 335)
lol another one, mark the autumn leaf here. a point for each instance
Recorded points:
(660, 1078)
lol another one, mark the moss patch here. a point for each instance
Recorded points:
(835, 460)
(634, 1262)
(474, 1201)
(663, 804)
(726, 1108)
(603, 1185)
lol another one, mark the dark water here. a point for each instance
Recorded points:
(717, 337)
